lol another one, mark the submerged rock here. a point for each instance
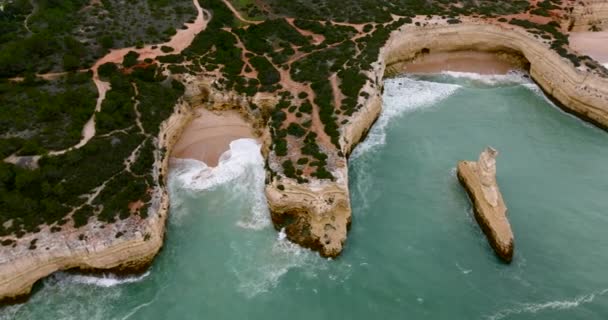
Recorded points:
(479, 179)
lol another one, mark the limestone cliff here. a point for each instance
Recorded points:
(479, 180)
(126, 246)
(317, 213)
(577, 90)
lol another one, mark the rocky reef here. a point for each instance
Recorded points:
(479, 180)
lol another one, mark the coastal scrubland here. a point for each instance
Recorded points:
(316, 57)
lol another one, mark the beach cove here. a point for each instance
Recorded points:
(410, 225)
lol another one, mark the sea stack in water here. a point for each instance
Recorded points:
(479, 179)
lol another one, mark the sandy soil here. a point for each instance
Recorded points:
(209, 135)
(181, 40)
(462, 61)
(593, 44)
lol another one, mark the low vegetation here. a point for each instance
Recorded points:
(296, 51)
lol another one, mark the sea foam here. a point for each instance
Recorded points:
(260, 269)
(402, 95)
(262, 257)
(106, 280)
(512, 77)
(241, 168)
(196, 175)
(550, 305)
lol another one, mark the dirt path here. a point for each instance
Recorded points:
(180, 41)
(238, 15)
(27, 18)
(316, 38)
(136, 109)
(335, 87)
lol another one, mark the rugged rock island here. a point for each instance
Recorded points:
(479, 180)
(308, 77)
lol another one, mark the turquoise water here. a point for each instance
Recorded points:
(414, 250)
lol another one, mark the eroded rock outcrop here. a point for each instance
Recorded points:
(479, 180)
(316, 215)
(125, 247)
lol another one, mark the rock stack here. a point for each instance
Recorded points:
(479, 179)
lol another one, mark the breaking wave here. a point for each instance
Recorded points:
(259, 256)
(417, 91)
(476, 80)
(106, 280)
(196, 175)
(242, 167)
(402, 95)
(513, 77)
(551, 305)
(64, 293)
(259, 269)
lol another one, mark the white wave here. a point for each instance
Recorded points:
(259, 260)
(241, 169)
(402, 95)
(260, 269)
(605, 65)
(511, 77)
(453, 172)
(464, 271)
(63, 295)
(196, 175)
(106, 280)
(551, 305)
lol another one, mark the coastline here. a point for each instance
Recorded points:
(96, 249)
(579, 92)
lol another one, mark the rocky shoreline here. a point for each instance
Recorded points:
(320, 208)
(95, 247)
(319, 217)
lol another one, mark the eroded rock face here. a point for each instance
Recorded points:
(479, 180)
(315, 215)
(96, 247)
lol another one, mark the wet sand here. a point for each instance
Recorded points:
(461, 61)
(593, 44)
(209, 135)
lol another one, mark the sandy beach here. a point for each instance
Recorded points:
(209, 135)
(461, 61)
(593, 44)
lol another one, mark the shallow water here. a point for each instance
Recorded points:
(414, 250)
